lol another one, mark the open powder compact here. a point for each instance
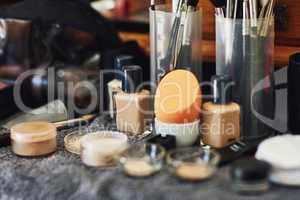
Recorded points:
(33, 138)
(142, 160)
(193, 163)
(101, 149)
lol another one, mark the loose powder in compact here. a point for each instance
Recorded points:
(138, 168)
(142, 159)
(101, 149)
(33, 138)
(72, 142)
(194, 171)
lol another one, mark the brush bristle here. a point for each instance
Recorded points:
(264, 2)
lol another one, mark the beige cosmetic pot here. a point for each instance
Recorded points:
(33, 138)
(100, 149)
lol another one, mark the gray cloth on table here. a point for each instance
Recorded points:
(62, 176)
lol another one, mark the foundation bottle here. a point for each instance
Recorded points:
(115, 85)
(221, 117)
(132, 104)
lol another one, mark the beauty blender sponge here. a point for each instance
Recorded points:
(178, 98)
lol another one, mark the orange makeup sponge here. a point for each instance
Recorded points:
(178, 98)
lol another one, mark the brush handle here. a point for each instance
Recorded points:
(74, 122)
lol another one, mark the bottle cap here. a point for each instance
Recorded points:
(132, 78)
(250, 170)
(36, 131)
(120, 62)
(222, 89)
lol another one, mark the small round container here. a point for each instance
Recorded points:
(250, 176)
(33, 138)
(142, 160)
(194, 163)
(100, 149)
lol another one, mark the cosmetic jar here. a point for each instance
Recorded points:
(142, 160)
(33, 138)
(101, 149)
(193, 163)
(250, 176)
(282, 153)
(186, 133)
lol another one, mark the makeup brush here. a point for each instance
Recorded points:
(168, 60)
(152, 4)
(263, 4)
(154, 36)
(235, 9)
(239, 12)
(184, 57)
(219, 12)
(253, 13)
(266, 23)
(229, 8)
(74, 122)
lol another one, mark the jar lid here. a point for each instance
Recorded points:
(250, 170)
(33, 131)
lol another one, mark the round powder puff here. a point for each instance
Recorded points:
(281, 152)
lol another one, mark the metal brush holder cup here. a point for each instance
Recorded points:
(166, 53)
(244, 50)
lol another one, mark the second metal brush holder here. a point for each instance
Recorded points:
(244, 50)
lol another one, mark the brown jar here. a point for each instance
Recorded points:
(221, 118)
(33, 138)
(221, 124)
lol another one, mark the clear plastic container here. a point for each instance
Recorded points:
(245, 52)
(162, 34)
(193, 163)
(142, 160)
